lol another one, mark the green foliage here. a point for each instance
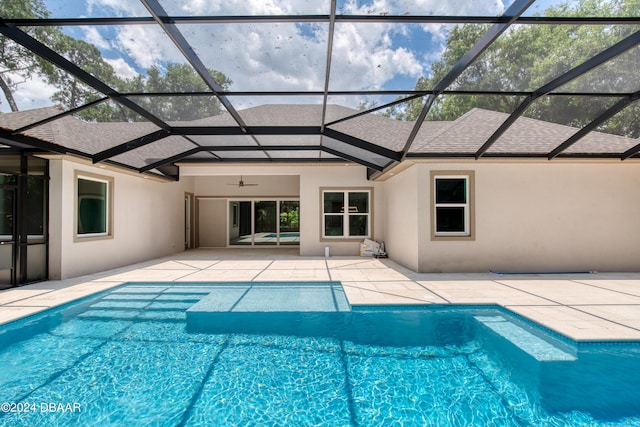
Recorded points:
(21, 63)
(290, 220)
(14, 58)
(526, 58)
(72, 92)
(179, 78)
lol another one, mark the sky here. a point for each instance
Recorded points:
(272, 57)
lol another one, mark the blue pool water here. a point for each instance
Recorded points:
(228, 354)
(283, 235)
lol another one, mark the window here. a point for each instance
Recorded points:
(346, 214)
(93, 206)
(451, 202)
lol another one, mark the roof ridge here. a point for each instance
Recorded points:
(450, 124)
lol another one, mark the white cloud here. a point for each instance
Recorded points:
(368, 56)
(146, 45)
(93, 36)
(31, 94)
(122, 69)
(282, 56)
(286, 56)
(117, 7)
(421, 7)
(247, 7)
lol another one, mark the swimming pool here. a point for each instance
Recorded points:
(248, 354)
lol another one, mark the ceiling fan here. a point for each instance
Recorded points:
(241, 183)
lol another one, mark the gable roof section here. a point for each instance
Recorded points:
(464, 136)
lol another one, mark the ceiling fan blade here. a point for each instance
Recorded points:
(241, 183)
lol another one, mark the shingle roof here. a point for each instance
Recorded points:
(463, 136)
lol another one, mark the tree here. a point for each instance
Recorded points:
(179, 78)
(72, 92)
(527, 57)
(18, 64)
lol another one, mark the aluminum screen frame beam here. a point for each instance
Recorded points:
(162, 19)
(606, 115)
(599, 59)
(510, 16)
(55, 58)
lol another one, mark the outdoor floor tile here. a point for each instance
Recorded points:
(305, 275)
(353, 293)
(379, 275)
(576, 324)
(571, 293)
(52, 299)
(170, 265)
(312, 264)
(8, 314)
(481, 292)
(200, 264)
(13, 295)
(96, 285)
(393, 297)
(390, 293)
(631, 287)
(211, 275)
(150, 275)
(249, 264)
(628, 315)
(355, 263)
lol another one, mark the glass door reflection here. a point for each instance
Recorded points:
(289, 222)
(7, 236)
(264, 222)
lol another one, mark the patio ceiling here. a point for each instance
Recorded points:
(314, 81)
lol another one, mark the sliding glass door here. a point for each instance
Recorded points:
(264, 222)
(265, 218)
(289, 222)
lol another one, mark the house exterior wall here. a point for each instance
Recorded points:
(528, 215)
(217, 191)
(539, 217)
(303, 181)
(404, 218)
(148, 221)
(312, 181)
(211, 212)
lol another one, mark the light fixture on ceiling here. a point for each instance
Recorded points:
(241, 183)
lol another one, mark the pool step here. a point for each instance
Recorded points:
(540, 349)
(270, 307)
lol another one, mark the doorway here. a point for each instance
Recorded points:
(23, 220)
(261, 222)
(189, 219)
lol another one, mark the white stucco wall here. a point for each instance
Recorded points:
(404, 218)
(268, 185)
(312, 180)
(529, 216)
(304, 181)
(542, 216)
(148, 221)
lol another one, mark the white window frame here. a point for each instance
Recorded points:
(467, 205)
(346, 213)
(108, 181)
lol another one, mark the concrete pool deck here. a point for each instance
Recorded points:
(597, 306)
